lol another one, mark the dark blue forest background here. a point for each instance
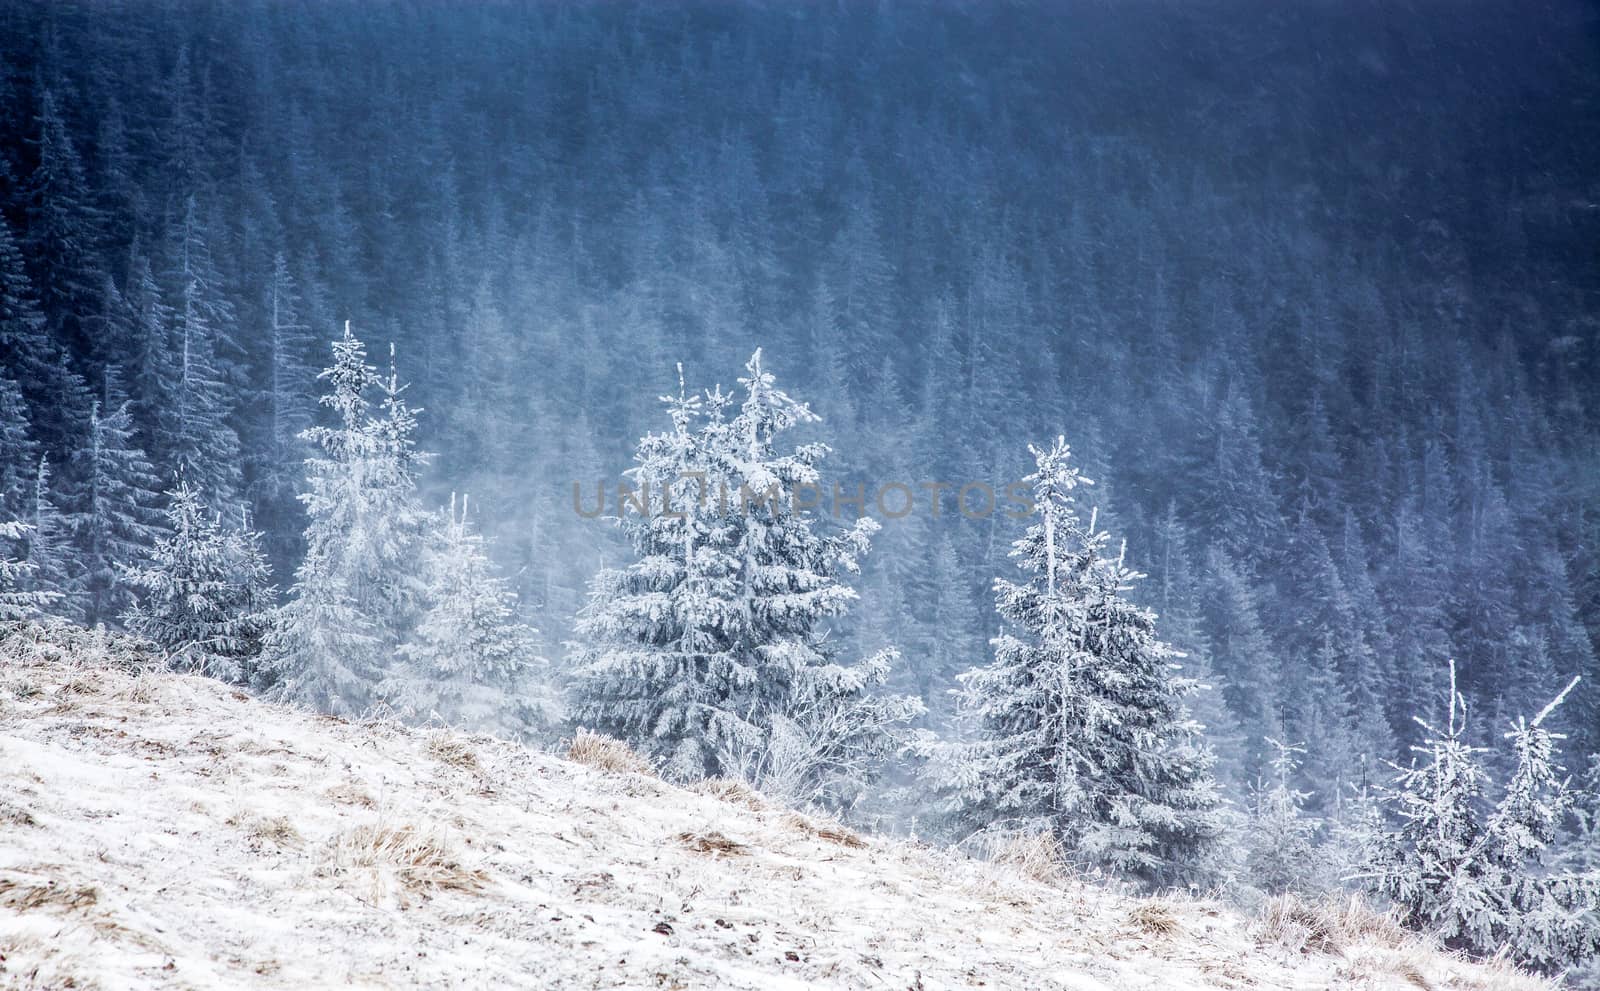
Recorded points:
(1312, 289)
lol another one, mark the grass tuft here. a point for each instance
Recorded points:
(606, 754)
(1299, 926)
(1038, 856)
(825, 829)
(450, 749)
(416, 859)
(21, 893)
(712, 843)
(1155, 918)
(732, 791)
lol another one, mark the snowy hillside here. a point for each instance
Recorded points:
(159, 830)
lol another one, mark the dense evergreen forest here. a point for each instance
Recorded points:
(1309, 288)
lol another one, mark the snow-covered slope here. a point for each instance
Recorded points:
(166, 831)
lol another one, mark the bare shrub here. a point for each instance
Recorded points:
(54, 641)
(606, 754)
(21, 687)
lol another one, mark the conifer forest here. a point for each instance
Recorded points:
(1171, 429)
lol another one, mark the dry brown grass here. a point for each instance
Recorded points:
(1415, 965)
(41, 959)
(732, 791)
(606, 754)
(82, 683)
(22, 688)
(1499, 974)
(825, 829)
(22, 893)
(1154, 918)
(712, 843)
(16, 815)
(141, 688)
(1356, 920)
(349, 793)
(414, 858)
(1378, 952)
(1299, 926)
(450, 749)
(1038, 856)
(277, 830)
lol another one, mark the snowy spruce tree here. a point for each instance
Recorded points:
(386, 545)
(54, 396)
(654, 662)
(711, 651)
(51, 569)
(18, 452)
(197, 427)
(1354, 830)
(1281, 842)
(286, 398)
(205, 596)
(1430, 866)
(17, 600)
(355, 590)
(118, 520)
(1082, 728)
(469, 663)
(1481, 882)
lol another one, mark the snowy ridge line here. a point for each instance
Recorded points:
(166, 831)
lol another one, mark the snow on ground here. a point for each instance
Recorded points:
(161, 831)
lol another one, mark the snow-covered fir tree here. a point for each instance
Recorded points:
(828, 741)
(354, 591)
(118, 520)
(30, 356)
(50, 567)
(654, 661)
(718, 631)
(469, 662)
(1552, 916)
(17, 600)
(1480, 881)
(204, 445)
(288, 395)
(205, 596)
(64, 227)
(152, 367)
(1354, 830)
(387, 543)
(18, 452)
(1281, 840)
(1242, 656)
(1181, 623)
(1082, 728)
